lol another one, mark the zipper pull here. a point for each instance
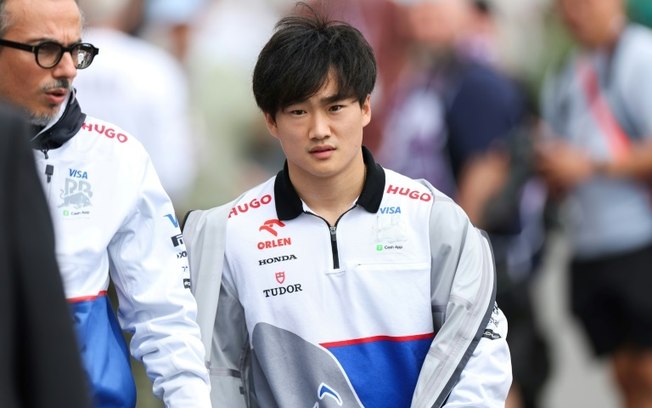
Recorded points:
(49, 171)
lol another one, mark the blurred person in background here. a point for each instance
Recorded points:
(464, 125)
(595, 155)
(170, 23)
(40, 366)
(112, 219)
(376, 19)
(235, 152)
(141, 88)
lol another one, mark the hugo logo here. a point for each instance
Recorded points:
(253, 204)
(413, 194)
(106, 131)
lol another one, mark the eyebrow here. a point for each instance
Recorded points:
(334, 98)
(325, 100)
(49, 39)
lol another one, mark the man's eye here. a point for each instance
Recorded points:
(336, 108)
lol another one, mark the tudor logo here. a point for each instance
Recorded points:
(280, 277)
(269, 226)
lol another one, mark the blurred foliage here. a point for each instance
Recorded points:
(640, 11)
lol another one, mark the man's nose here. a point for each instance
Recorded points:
(66, 68)
(320, 126)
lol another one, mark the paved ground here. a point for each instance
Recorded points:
(577, 380)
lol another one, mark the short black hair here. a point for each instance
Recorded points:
(296, 61)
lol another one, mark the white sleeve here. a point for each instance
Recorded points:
(149, 268)
(487, 376)
(468, 363)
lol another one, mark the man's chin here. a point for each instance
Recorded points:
(40, 119)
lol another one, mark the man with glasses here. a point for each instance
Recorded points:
(112, 218)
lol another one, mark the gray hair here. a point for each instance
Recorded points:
(4, 18)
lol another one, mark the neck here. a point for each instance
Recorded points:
(330, 197)
(617, 26)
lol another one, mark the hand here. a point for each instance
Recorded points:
(480, 179)
(562, 165)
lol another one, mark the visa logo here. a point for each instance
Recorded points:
(173, 220)
(78, 174)
(390, 210)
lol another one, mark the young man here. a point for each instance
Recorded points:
(110, 215)
(598, 159)
(341, 283)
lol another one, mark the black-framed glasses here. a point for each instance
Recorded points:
(49, 53)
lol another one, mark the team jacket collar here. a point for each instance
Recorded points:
(288, 203)
(63, 129)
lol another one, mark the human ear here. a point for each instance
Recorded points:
(270, 122)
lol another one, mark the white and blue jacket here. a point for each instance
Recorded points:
(113, 219)
(383, 309)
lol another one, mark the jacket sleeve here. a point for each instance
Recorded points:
(468, 362)
(149, 268)
(220, 315)
(487, 376)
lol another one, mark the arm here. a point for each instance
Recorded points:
(479, 148)
(470, 343)
(220, 315)
(623, 114)
(151, 276)
(564, 166)
(636, 165)
(487, 376)
(480, 180)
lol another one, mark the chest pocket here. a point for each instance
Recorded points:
(400, 292)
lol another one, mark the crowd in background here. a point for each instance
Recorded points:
(457, 102)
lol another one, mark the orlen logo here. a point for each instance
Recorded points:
(413, 194)
(106, 131)
(255, 203)
(270, 227)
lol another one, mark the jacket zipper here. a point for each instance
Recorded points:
(336, 256)
(333, 232)
(49, 169)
